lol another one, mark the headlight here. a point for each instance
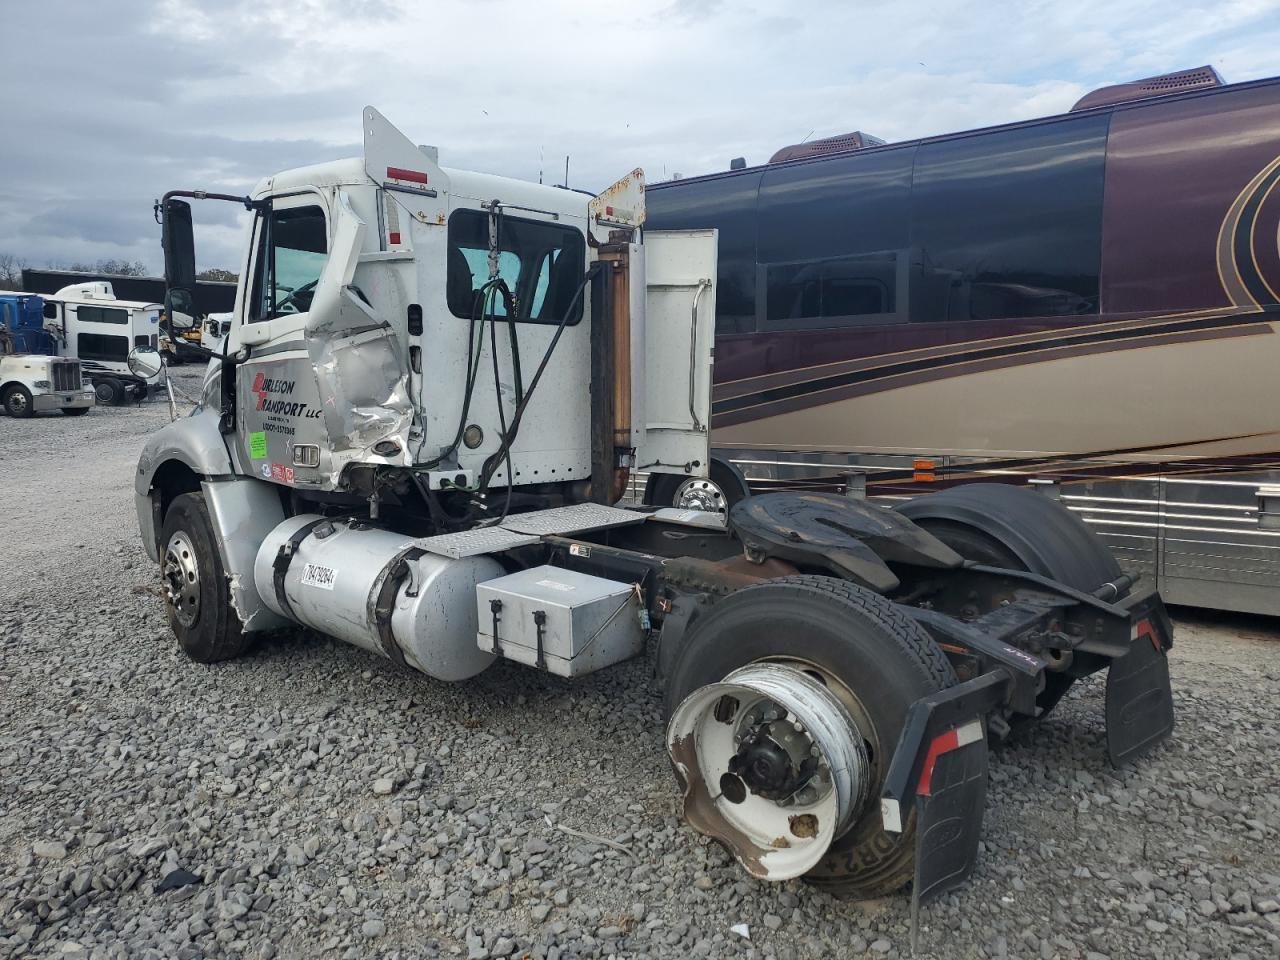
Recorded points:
(42, 384)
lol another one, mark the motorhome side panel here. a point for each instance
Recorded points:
(1045, 300)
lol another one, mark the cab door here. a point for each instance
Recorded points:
(277, 399)
(325, 380)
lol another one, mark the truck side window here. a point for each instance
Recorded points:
(542, 263)
(293, 246)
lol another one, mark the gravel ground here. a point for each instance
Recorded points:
(318, 802)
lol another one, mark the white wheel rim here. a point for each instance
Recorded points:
(713, 729)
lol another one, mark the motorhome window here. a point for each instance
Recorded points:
(101, 315)
(1009, 224)
(826, 293)
(728, 204)
(102, 347)
(543, 263)
(292, 252)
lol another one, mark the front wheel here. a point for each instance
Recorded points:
(786, 701)
(18, 402)
(197, 595)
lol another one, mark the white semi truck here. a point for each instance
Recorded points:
(32, 383)
(433, 388)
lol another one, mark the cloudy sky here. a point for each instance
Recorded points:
(107, 105)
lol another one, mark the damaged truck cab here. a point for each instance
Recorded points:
(415, 437)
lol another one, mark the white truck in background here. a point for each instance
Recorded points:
(32, 383)
(89, 324)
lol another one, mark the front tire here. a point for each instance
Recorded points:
(861, 647)
(197, 594)
(18, 402)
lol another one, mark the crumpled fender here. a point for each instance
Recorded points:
(193, 441)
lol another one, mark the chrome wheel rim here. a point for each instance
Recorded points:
(698, 493)
(18, 403)
(182, 578)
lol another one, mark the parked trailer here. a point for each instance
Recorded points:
(396, 448)
(1088, 300)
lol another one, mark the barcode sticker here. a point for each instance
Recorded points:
(315, 575)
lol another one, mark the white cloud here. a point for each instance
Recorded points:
(146, 96)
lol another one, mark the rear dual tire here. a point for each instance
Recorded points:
(876, 660)
(1016, 528)
(717, 493)
(109, 393)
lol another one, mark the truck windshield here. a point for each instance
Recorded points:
(542, 263)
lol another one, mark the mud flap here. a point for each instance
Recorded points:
(939, 772)
(1139, 699)
(949, 807)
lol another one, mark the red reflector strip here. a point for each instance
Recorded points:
(953, 739)
(393, 237)
(1143, 628)
(399, 173)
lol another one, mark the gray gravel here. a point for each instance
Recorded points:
(312, 800)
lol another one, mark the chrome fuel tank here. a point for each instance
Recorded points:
(374, 589)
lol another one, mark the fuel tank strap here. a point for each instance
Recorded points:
(284, 557)
(384, 598)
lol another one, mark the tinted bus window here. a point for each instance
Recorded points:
(101, 347)
(728, 204)
(813, 216)
(1009, 224)
(102, 314)
(818, 293)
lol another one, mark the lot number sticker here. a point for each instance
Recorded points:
(315, 575)
(258, 445)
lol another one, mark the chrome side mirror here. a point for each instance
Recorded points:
(145, 362)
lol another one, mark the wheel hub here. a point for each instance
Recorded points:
(774, 767)
(700, 494)
(181, 574)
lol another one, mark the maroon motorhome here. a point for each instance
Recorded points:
(1088, 301)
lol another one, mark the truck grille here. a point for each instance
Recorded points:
(66, 375)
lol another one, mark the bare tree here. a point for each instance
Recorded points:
(11, 271)
(217, 273)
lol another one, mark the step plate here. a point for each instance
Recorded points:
(474, 543)
(572, 519)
